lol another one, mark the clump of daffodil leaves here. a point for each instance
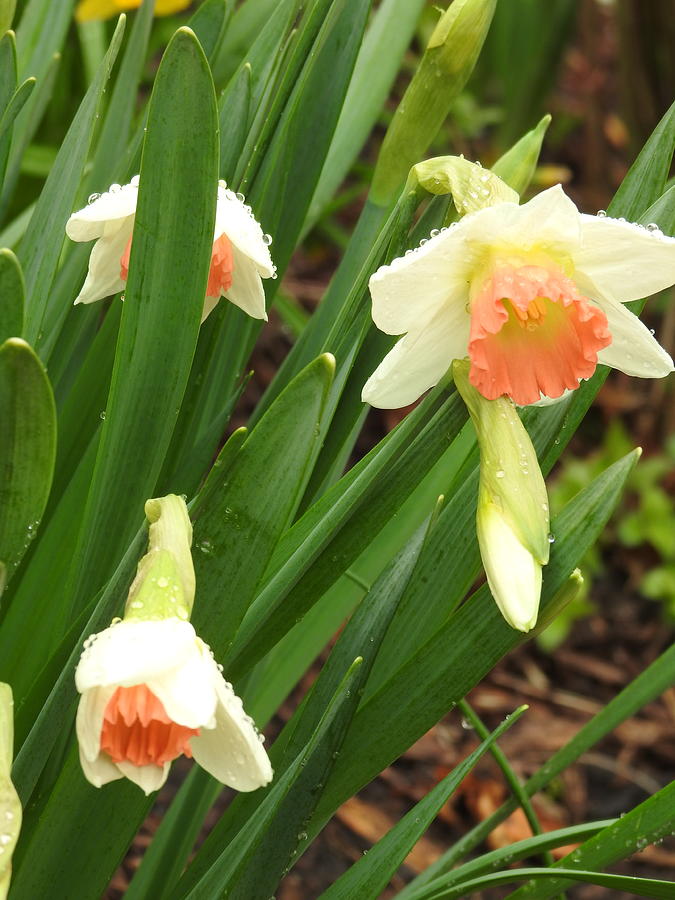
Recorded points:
(174, 584)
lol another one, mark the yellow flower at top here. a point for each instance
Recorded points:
(95, 10)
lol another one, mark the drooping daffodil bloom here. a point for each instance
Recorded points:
(95, 10)
(533, 295)
(512, 516)
(150, 688)
(239, 261)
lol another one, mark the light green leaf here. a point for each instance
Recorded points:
(109, 158)
(641, 887)
(11, 296)
(378, 62)
(496, 859)
(27, 448)
(646, 823)
(7, 8)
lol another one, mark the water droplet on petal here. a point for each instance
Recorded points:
(93, 198)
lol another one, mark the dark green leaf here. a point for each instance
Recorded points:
(27, 448)
(164, 300)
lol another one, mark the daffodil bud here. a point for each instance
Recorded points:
(512, 520)
(445, 67)
(164, 586)
(10, 807)
(472, 187)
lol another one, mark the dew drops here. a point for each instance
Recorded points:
(162, 582)
(435, 232)
(115, 188)
(653, 228)
(240, 196)
(602, 213)
(101, 415)
(500, 473)
(466, 725)
(5, 839)
(136, 604)
(205, 546)
(550, 538)
(93, 198)
(267, 239)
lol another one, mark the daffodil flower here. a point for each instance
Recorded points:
(151, 691)
(532, 294)
(239, 261)
(95, 10)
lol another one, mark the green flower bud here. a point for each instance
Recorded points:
(442, 73)
(164, 586)
(512, 519)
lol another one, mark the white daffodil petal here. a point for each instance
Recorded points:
(148, 778)
(103, 278)
(624, 261)
(232, 751)
(237, 221)
(188, 693)
(246, 290)
(89, 720)
(89, 223)
(514, 576)
(210, 304)
(414, 287)
(549, 221)
(418, 360)
(134, 651)
(634, 349)
(99, 771)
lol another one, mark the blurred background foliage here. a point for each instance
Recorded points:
(605, 70)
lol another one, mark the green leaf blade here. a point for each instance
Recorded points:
(27, 448)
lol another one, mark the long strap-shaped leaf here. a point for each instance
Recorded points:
(640, 887)
(497, 859)
(239, 524)
(27, 448)
(12, 291)
(642, 690)
(648, 822)
(254, 863)
(459, 654)
(370, 875)
(168, 271)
